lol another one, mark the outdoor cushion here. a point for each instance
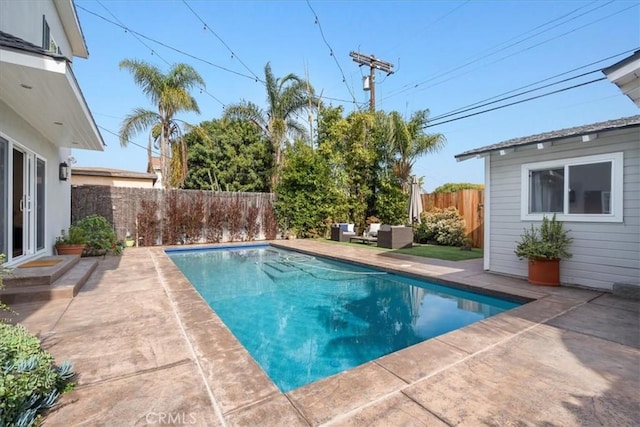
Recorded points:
(373, 229)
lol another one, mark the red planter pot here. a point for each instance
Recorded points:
(70, 249)
(545, 272)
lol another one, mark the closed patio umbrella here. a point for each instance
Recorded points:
(415, 202)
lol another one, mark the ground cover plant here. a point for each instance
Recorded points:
(30, 382)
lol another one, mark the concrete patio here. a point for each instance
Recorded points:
(149, 351)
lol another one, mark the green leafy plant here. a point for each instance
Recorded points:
(3, 271)
(442, 226)
(550, 241)
(100, 236)
(74, 236)
(30, 382)
(451, 187)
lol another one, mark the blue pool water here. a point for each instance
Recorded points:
(304, 318)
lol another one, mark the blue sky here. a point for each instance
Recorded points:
(446, 54)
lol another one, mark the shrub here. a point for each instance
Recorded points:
(455, 187)
(172, 219)
(269, 222)
(215, 219)
(445, 227)
(253, 225)
(101, 238)
(235, 210)
(192, 218)
(29, 380)
(148, 223)
(550, 241)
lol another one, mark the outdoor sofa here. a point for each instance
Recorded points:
(395, 236)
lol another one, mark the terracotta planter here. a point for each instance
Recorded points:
(545, 272)
(68, 249)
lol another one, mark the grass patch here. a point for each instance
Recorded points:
(447, 253)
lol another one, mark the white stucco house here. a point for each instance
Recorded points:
(43, 115)
(590, 177)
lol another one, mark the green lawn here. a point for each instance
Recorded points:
(448, 253)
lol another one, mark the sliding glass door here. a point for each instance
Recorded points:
(22, 187)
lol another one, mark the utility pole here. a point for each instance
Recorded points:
(374, 64)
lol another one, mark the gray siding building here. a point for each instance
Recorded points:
(589, 176)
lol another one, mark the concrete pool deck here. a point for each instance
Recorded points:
(149, 351)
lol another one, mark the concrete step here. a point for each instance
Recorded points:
(66, 286)
(39, 276)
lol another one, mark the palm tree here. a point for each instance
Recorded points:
(409, 141)
(170, 93)
(286, 97)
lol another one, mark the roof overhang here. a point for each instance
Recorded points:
(43, 90)
(73, 30)
(626, 75)
(586, 133)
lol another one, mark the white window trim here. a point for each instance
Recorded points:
(617, 174)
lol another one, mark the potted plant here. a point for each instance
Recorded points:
(71, 243)
(544, 248)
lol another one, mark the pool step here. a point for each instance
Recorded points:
(281, 267)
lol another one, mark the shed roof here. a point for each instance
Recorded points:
(625, 122)
(114, 173)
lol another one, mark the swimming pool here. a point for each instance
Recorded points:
(303, 318)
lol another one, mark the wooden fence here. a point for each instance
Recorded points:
(470, 205)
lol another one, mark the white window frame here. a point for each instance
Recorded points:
(617, 174)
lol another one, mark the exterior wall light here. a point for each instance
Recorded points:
(64, 171)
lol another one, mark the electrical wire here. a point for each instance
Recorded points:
(476, 104)
(516, 102)
(153, 52)
(233, 54)
(344, 79)
(220, 67)
(492, 51)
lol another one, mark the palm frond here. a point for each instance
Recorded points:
(136, 122)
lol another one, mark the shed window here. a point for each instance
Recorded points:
(576, 189)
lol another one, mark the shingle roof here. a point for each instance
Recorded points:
(625, 122)
(13, 42)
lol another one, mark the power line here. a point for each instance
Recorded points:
(233, 54)
(153, 52)
(131, 142)
(492, 51)
(220, 67)
(517, 102)
(475, 104)
(344, 79)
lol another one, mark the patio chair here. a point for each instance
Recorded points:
(395, 237)
(342, 232)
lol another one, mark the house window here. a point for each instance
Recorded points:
(577, 189)
(48, 43)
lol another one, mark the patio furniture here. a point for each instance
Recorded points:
(372, 229)
(395, 237)
(342, 232)
(363, 239)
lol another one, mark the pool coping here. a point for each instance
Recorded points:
(241, 391)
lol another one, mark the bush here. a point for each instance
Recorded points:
(455, 187)
(445, 227)
(101, 238)
(29, 380)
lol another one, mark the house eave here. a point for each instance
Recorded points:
(43, 90)
(550, 137)
(71, 24)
